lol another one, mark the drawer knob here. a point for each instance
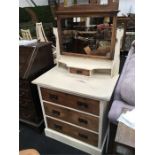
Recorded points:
(82, 105)
(83, 136)
(53, 97)
(79, 72)
(55, 113)
(83, 121)
(58, 127)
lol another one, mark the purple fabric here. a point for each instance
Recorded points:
(127, 88)
(124, 95)
(116, 110)
(117, 95)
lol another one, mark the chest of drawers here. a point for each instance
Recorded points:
(75, 109)
(73, 115)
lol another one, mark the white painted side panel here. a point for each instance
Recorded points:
(103, 122)
(42, 106)
(116, 61)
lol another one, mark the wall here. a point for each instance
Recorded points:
(28, 3)
(126, 6)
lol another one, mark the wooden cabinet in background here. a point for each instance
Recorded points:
(34, 60)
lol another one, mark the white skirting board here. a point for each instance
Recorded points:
(74, 142)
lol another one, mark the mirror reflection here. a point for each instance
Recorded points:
(86, 35)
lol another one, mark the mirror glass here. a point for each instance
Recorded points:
(86, 35)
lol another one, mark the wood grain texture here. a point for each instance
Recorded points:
(77, 102)
(88, 9)
(25, 54)
(34, 60)
(72, 131)
(125, 135)
(80, 119)
(80, 71)
(113, 37)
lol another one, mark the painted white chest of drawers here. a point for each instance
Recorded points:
(75, 108)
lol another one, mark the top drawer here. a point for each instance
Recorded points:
(76, 102)
(79, 71)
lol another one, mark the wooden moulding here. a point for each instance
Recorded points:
(87, 67)
(112, 7)
(86, 55)
(85, 72)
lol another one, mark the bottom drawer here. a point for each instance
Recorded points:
(80, 134)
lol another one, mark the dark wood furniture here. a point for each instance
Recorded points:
(122, 23)
(34, 60)
(87, 30)
(128, 24)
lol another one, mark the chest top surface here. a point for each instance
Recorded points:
(98, 87)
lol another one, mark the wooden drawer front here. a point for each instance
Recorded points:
(79, 71)
(72, 131)
(23, 84)
(79, 103)
(25, 103)
(74, 117)
(24, 58)
(53, 96)
(84, 104)
(24, 94)
(27, 114)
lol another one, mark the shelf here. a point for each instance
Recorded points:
(88, 66)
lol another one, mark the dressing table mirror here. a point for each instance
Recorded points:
(87, 30)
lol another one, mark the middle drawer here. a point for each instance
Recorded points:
(80, 119)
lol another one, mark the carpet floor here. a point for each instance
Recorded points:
(30, 138)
